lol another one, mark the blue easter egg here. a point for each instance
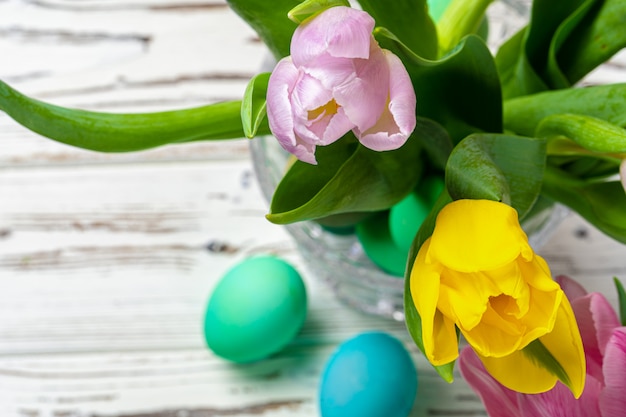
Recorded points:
(370, 375)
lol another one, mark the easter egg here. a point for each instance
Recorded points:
(256, 309)
(406, 217)
(370, 375)
(375, 238)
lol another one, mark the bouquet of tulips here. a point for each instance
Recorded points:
(372, 98)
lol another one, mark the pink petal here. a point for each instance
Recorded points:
(279, 90)
(309, 96)
(613, 397)
(559, 402)
(280, 109)
(498, 400)
(331, 71)
(364, 97)
(341, 31)
(622, 173)
(572, 288)
(596, 321)
(397, 121)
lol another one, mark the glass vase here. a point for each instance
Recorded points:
(340, 260)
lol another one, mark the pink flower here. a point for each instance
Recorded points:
(622, 173)
(604, 341)
(339, 79)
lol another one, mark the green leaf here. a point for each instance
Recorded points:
(459, 19)
(517, 74)
(253, 104)
(408, 20)
(497, 167)
(553, 73)
(592, 135)
(435, 140)
(461, 91)
(598, 37)
(348, 178)
(111, 132)
(522, 115)
(411, 315)
(309, 8)
(621, 296)
(539, 354)
(523, 60)
(269, 20)
(602, 204)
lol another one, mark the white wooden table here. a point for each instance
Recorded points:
(107, 261)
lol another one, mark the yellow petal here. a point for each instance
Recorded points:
(477, 235)
(496, 335)
(464, 296)
(519, 373)
(565, 344)
(438, 332)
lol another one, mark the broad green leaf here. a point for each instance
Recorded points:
(253, 109)
(582, 166)
(408, 20)
(539, 354)
(591, 133)
(603, 204)
(309, 8)
(347, 178)
(111, 132)
(497, 167)
(516, 73)
(523, 60)
(461, 91)
(435, 140)
(411, 315)
(621, 296)
(459, 19)
(269, 20)
(553, 74)
(607, 102)
(598, 37)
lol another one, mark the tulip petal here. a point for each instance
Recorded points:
(397, 121)
(519, 373)
(565, 344)
(280, 115)
(331, 71)
(612, 398)
(438, 332)
(570, 287)
(522, 373)
(559, 402)
(622, 173)
(498, 400)
(491, 227)
(340, 31)
(364, 97)
(596, 321)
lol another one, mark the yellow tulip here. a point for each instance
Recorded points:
(477, 273)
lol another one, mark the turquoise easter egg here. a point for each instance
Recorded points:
(375, 238)
(370, 375)
(256, 309)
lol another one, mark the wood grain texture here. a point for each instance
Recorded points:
(107, 260)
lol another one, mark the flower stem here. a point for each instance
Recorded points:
(461, 18)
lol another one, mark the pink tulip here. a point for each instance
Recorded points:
(339, 79)
(604, 340)
(622, 173)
